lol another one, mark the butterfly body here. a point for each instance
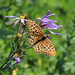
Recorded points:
(40, 41)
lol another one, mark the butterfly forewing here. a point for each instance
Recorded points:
(45, 47)
(33, 39)
(33, 28)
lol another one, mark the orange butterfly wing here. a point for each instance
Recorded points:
(45, 47)
(36, 33)
(33, 39)
(33, 28)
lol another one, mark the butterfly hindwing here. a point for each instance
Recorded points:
(45, 47)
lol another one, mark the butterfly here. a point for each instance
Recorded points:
(37, 39)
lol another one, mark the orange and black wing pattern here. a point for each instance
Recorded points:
(40, 45)
(33, 28)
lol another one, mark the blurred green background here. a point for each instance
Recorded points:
(33, 64)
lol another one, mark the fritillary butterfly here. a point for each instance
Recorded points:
(39, 41)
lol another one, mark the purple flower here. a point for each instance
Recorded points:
(16, 59)
(48, 23)
(20, 32)
(22, 19)
(46, 55)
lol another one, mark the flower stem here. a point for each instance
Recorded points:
(7, 60)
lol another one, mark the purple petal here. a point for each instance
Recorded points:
(52, 21)
(12, 58)
(53, 27)
(46, 55)
(51, 15)
(12, 20)
(16, 23)
(45, 21)
(17, 60)
(30, 46)
(48, 12)
(56, 21)
(9, 16)
(48, 36)
(53, 32)
(22, 20)
(19, 29)
(22, 30)
(36, 19)
(9, 22)
(45, 16)
(24, 33)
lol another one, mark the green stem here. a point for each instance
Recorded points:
(7, 60)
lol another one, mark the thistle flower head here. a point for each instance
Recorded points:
(22, 19)
(48, 23)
